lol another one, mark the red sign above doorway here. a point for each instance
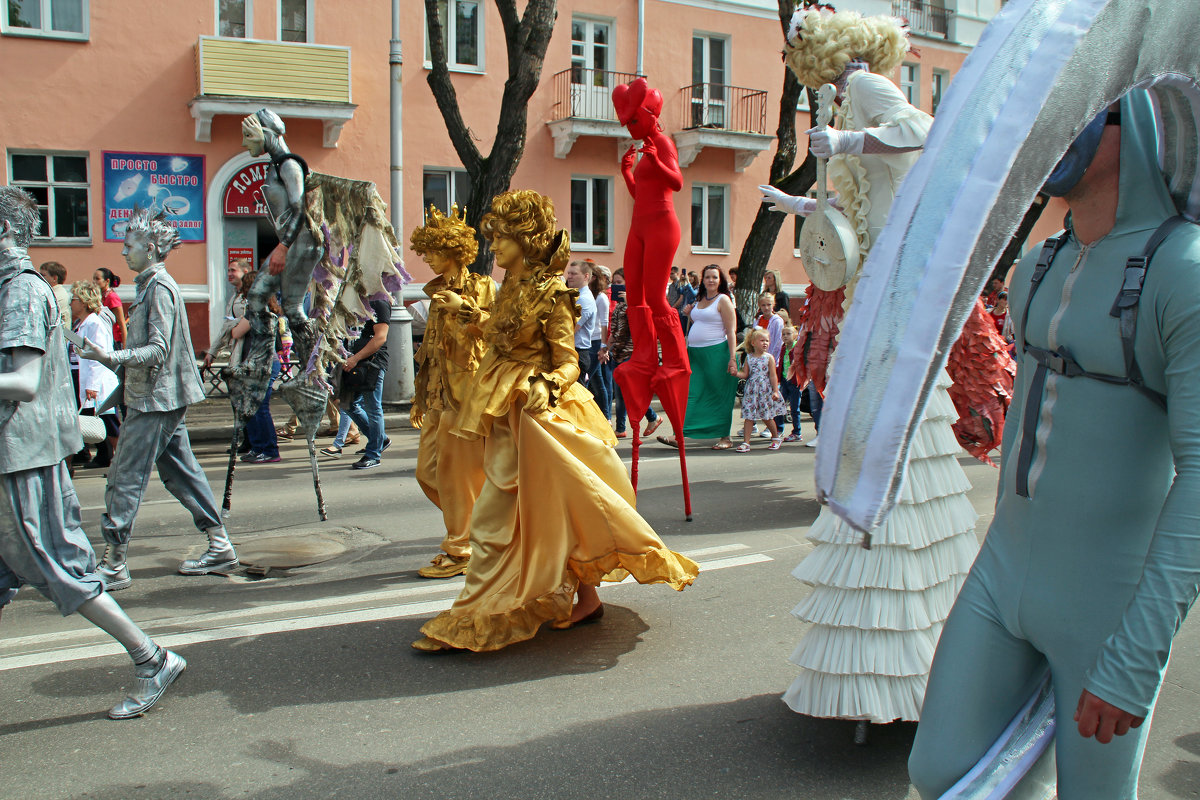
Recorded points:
(242, 188)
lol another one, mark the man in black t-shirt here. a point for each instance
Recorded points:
(363, 383)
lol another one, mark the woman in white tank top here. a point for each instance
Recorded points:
(711, 342)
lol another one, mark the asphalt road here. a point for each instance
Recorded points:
(302, 684)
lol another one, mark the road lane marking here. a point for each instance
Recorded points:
(711, 551)
(299, 621)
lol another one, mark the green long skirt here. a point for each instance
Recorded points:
(711, 392)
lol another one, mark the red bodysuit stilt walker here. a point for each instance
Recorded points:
(649, 252)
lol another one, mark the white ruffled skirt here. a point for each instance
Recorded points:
(876, 614)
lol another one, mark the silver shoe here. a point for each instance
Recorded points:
(149, 689)
(220, 556)
(113, 570)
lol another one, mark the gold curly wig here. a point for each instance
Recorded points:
(449, 235)
(821, 43)
(527, 218)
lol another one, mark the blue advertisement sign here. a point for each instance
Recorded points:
(168, 182)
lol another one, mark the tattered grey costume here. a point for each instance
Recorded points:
(41, 541)
(160, 380)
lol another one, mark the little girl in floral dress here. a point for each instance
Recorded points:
(761, 399)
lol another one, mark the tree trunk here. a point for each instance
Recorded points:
(526, 39)
(756, 252)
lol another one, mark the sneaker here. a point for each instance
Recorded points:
(764, 434)
(333, 451)
(444, 566)
(262, 458)
(811, 442)
(387, 442)
(365, 463)
(792, 437)
(150, 689)
(249, 457)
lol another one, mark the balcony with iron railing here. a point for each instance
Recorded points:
(583, 107)
(723, 116)
(295, 79)
(924, 18)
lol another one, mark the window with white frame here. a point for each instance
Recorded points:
(910, 77)
(443, 187)
(591, 220)
(941, 79)
(59, 184)
(295, 20)
(710, 79)
(462, 33)
(234, 18)
(58, 19)
(710, 217)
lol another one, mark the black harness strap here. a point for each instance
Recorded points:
(1061, 362)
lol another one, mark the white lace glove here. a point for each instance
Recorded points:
(788, 204)
(831, 142)
(94, 352)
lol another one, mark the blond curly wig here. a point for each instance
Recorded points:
(527, 218)
(821, 43)
(448, 235)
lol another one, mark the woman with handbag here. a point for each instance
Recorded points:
(96, 381)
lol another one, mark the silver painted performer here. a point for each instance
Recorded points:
(290, 265)
(159, 381)
(41, 541)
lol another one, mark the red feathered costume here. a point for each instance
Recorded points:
(816, 337)
(983, 373)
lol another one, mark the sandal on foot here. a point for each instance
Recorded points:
(621, 435)
(775, 444)
(667, 442)
(652, 427)
(742, 448)
(727, 446)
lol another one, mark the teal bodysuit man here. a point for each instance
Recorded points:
(1093, 558)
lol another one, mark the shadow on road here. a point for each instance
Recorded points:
(367, 661)
(742, 750)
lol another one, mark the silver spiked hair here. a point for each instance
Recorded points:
(19, 209)
(154, 227)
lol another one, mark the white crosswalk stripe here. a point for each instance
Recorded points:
(55, 648)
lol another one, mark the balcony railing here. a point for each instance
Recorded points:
(923, 18)
(721, 107)
(581, 93)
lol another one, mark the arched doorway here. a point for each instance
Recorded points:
(237, 225)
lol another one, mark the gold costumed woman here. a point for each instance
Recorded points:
(575, 524)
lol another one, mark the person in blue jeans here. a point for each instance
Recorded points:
(260, 429)
(366, 406)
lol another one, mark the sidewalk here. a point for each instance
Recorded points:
(211, 420)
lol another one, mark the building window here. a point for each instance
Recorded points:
(295, 20)
(591, 222)
(441, 187)
(59, 183)
(910, 76)
(710, 218)
(462, 33)
(710, 79)
(58, 19)
(234, 18)
(941, 79)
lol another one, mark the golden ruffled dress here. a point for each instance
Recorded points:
(557, 507)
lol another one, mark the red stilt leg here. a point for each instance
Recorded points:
(671, 386)
(637, 445)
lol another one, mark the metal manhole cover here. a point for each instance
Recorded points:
(285, 552)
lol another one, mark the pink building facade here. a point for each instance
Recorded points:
(140, 102)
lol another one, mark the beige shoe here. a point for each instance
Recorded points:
(445, 566)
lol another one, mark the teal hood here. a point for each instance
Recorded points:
(1144, 200)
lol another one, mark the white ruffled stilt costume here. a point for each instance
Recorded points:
(877, 614)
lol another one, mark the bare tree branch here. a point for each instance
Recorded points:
(526, 39)
(444, 94)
